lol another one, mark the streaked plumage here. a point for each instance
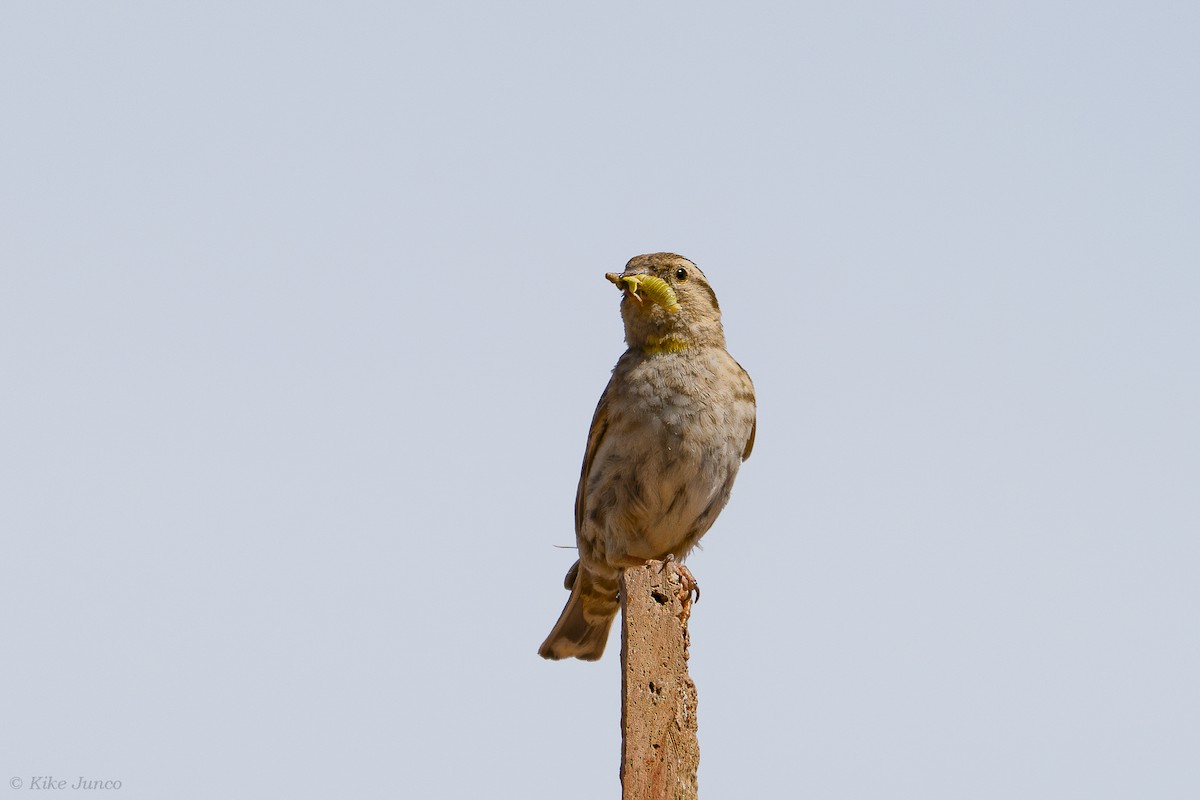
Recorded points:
(669, 434)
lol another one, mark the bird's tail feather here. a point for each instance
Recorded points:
(582, 628)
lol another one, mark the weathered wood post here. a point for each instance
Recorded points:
(659, 751)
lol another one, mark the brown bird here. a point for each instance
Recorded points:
(669, 434)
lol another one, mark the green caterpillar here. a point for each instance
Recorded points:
(655, 288)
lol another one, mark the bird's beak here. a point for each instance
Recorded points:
(655, 288)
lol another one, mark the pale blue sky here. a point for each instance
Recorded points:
(303, 318)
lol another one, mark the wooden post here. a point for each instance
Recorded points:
(659, 751)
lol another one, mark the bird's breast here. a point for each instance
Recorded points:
(673, 446)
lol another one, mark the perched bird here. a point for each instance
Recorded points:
(669, 434)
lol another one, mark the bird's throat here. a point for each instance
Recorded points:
(655, 345)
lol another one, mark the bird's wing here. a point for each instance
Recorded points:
(750, 444)
(595, 436)
(749, 395)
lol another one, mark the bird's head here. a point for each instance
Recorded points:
(667, 304)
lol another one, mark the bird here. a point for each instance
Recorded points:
(667, 439)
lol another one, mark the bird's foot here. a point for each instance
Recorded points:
(690, 587)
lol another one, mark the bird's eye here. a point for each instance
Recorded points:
(681, 274)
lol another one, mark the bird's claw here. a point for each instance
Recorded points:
(690, 587)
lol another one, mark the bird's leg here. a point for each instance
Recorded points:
(690, 586)
(632, 284)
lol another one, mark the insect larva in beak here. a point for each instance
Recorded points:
(656, 289)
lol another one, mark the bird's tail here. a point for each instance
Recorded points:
(582, 629)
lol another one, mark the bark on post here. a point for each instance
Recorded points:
(659, 751)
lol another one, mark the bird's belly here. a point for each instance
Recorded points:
(667, 500)
(666, 464)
